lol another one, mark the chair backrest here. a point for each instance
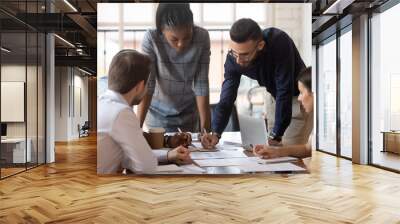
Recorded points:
(233, 124)
(86, 125)
(256, 97)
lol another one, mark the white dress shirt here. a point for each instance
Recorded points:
(120, 141)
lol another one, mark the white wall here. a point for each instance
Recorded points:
(12, 73)
(82, 83)
(61, 103)
(71, 94)
(16, 73)
(295, 20)
(33, 126)
(80, 102)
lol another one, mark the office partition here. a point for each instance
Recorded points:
(23, 88)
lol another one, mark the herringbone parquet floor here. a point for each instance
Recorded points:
(69, 191)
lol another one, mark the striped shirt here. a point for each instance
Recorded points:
(176, 79)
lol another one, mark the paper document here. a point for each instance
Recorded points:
(192, 169)
(217, 155)
(230, 148)
(196, 146)
(275, 167)
(280, 160)
(184, 169)
(168, 168)
(228, 162)
(232, 143)
(195, 136)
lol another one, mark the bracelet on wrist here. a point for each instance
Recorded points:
(168, 155)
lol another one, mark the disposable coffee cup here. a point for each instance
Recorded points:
(156, 138)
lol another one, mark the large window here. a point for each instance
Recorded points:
(123, 25)
(334, 118)
(346, 94)
(385, 89)
(327, 96)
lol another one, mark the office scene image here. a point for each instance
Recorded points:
(199, 112)
(212, 93)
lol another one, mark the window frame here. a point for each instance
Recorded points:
(334, 37)
(40, 52)
(371, 14)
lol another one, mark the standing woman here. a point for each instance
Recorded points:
(178, 89)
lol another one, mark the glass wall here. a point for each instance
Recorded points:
(13, 88)
(22, 93)
(31, 101)
(334, 74)
(346, 94)
(41, 97)
(385, 89)
(326, 96)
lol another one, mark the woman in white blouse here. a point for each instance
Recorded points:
(306, 99)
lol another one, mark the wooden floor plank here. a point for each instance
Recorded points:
(69, 191)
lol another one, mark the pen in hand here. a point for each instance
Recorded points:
(204, 131)
(186, 137)
(250, 148)
(207, 144)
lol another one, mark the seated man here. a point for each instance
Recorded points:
(121, 143)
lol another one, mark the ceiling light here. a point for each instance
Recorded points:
(70, 5)
(84, 71)
(5, 50)
(338, 6)
(64, 40)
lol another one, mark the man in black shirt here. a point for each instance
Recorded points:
(271, 58)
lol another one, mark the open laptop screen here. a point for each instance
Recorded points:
(252, 130)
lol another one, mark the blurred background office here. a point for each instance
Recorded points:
(122, 26)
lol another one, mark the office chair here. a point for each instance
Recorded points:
(256, 96)
(84, 130)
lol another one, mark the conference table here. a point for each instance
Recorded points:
(229, 139)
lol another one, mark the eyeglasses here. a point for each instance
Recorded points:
(244, 56)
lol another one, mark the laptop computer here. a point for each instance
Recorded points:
(252, 130)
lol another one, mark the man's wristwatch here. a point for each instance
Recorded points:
(216, 134)
(273, 136)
